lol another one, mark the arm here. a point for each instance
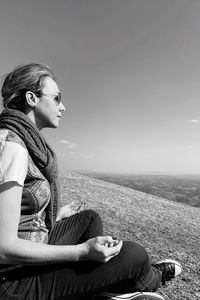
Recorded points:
(14, 250)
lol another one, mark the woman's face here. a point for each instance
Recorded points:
(49, 108)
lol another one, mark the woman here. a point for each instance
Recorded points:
(42, 257)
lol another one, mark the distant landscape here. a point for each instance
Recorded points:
(181, 188)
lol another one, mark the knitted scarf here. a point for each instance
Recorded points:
(40, 152)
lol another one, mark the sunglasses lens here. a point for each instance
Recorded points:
(58, 99)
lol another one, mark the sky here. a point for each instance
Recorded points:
(129, 73)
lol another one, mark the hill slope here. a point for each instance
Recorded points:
(164, 228)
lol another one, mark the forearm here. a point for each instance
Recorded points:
(31, 253)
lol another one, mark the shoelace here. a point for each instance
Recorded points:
(168, 272)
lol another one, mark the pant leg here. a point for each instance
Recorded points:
(76, 229)
(87, 224)
(129, 271)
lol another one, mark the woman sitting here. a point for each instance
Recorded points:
(41, 258)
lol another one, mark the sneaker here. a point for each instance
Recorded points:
(169, 268)
(130, 296)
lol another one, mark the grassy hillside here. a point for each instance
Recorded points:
(164, 228)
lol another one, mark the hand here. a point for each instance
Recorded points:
(102, 248)
(69, 210)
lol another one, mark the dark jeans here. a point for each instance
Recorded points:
(129, 271)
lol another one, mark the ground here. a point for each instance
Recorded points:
(165, 228)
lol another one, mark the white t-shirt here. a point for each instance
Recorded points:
(13, 160)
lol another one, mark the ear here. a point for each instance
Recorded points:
(31, 99)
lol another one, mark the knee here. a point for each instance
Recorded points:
(94, 223)
(135, 255)
(92, 216)
(91, 213)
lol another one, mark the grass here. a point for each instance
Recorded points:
(165, 228)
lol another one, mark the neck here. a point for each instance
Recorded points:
(30, 114)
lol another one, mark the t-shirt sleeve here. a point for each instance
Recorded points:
(13, 163)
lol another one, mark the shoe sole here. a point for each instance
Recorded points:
(131, 296)
(178, 267)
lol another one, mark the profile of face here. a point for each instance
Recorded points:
(48, 107)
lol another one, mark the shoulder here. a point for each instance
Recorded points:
(12, 144)
(10, 136)
(13, 157)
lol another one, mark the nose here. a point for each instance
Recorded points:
(61, 107)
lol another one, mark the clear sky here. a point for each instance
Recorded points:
(129, 72)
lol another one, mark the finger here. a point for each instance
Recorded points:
(111, 256)
(111, 251)
(113, 243)
(78, 209)
(119, 245)
(105, 239)
(115, 249)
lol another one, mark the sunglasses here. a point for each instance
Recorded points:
(57, 98)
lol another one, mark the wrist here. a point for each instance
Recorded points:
(83, 251)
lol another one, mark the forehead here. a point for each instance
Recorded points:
(49, 86)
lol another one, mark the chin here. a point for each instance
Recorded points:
(54, 123)
(51, 125)
(54, 126)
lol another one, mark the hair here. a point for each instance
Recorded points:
(27, 77)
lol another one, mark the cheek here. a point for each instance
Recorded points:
(48, 110)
